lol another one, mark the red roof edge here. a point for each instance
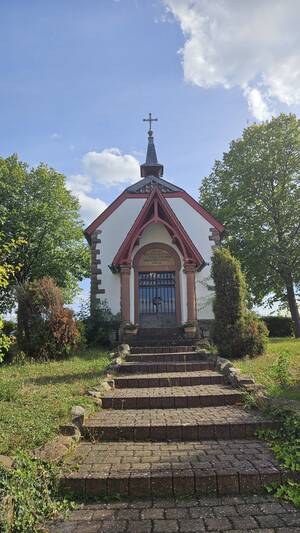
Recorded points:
(133, 233)
(104, 215)
(125, 195)
(199, 208)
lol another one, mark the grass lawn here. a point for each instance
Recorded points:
(261, 368)
(36, 398)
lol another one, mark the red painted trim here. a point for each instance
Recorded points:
(198, 207)
(104, 215)
(125, 195)
(178, 224)
(133, 233)
(137, 195)
(109, 210)
(124, 253)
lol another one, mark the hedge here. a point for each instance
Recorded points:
(279, 326)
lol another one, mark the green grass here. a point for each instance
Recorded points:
(261, 368)
(36, 398)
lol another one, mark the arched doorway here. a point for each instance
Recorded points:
(157, 286)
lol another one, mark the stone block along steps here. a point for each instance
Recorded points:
(171, 427)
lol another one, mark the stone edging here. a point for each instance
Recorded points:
(237, 379)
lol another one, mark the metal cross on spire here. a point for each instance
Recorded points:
(151, 167)
(150, 120)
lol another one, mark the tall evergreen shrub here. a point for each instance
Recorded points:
(236, 331)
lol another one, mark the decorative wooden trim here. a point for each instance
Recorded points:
(125, 195)
(199, 208)
(106, 213)
(138, 268)
(175, 227)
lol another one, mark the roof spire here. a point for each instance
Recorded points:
(151, 167)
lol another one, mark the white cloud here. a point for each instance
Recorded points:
(257, 104)
(90, 207)
(254, 45)
(80, 183)
(110, 167)
(55, 136)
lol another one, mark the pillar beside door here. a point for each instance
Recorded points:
(190, 270)
(125, 271)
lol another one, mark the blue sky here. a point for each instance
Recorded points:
(77, 77)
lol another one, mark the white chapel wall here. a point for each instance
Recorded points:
(198, 229)
(114, 230)
(116, 227)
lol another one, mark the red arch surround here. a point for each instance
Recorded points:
(174, 265)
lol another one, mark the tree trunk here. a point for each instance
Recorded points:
(293, 305)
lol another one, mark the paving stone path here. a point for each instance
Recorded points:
(172, 428)
(231, 514)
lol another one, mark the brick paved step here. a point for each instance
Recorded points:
(171, 469)
(165, 357)
(171, 397)
(160, 346)
(261, 513)
(169, 379)
(193, 424)
(161, 366)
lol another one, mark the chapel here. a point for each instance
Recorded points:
(151, 252)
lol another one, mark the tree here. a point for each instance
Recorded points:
(8, 268)
(37, 208)
(236, 331)
(7, 273)
(255, 191)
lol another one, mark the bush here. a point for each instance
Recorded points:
(5, 341)
(285, 443)
(99, 326)
(280, 371)
(255, 335)
(29, 495)
(236, 332)
(46, 329)
(279, 326)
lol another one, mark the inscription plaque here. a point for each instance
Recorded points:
(157, 257)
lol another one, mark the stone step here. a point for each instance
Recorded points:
(151, 346)
(156, 469)
(164, 357)
(193, 424)
(260, 513)
(169, 379)
(159, 367)
(159, 333)
(171, 397)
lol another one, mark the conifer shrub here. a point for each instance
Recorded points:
(46, 329)
(236, 331)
